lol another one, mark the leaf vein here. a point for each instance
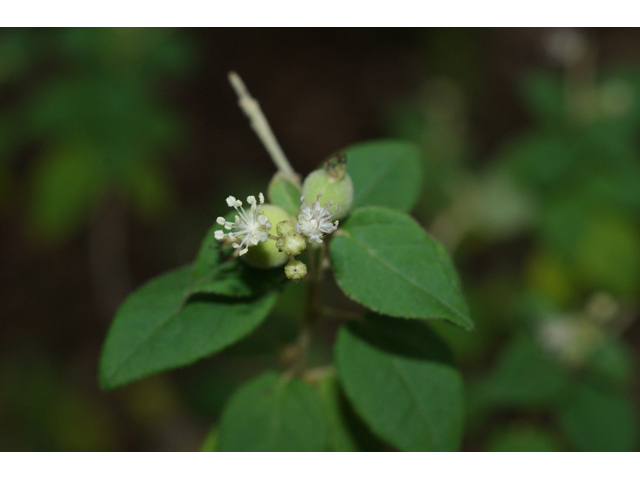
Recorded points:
(409, 280)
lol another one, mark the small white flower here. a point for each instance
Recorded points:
(314, 222)
(251, 228)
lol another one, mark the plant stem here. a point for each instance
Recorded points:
(311, 312)
(260, 125)
(338, 314)
(315, 375)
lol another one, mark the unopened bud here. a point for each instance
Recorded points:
(292, 244)
(295, 270)
(285, 228)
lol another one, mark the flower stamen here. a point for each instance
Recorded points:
(250, 227)
(314, 221)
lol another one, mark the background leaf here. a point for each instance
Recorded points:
(284, 193)
(210, 442)
(612, 364)
(152, 332)
(399, 377)
(384, 260)
(385, 172)
(597, 420)
(273, 413)
(543, 94)
(340, 439)
(64, 188)
(523, 438)
(524, 377)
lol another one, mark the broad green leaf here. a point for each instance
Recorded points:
(280, 328)
(153, 331)
(523, 438)
(214, 272)
(524, 377)
(384, 260)
(273, 413)
(597, 420)
(399, 378)
(385, 172)
(284, 193)
(340, 439)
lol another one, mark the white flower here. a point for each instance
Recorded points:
(314, 222)
(252, 227)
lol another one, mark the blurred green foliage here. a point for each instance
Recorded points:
(563, 194)
(85, 117)
(89, 104)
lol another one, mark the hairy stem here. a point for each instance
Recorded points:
(260, 125)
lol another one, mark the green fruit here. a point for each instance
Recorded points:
(266, 254)
(338, 189)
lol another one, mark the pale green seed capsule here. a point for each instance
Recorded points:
(336, 188)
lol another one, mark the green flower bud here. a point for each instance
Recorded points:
(292, 244)
(334, 183)
(295, 270)
(285, 228)
(266, 254)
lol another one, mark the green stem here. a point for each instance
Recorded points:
(339, 314)
(315, 375)
(311, 313)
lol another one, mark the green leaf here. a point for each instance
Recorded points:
(399, 377)
(523, 438)
(210, 442)
(539, 161)
(524, 377)
(384, 260)
(597, 420)
(612, 364)
(340, 439)
(602, 246)
(285, 193)
(153, 332)
(273, 413)
(214, 272)
(385, 172)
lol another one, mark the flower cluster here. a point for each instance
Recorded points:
(314, 222)
(250, 227)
